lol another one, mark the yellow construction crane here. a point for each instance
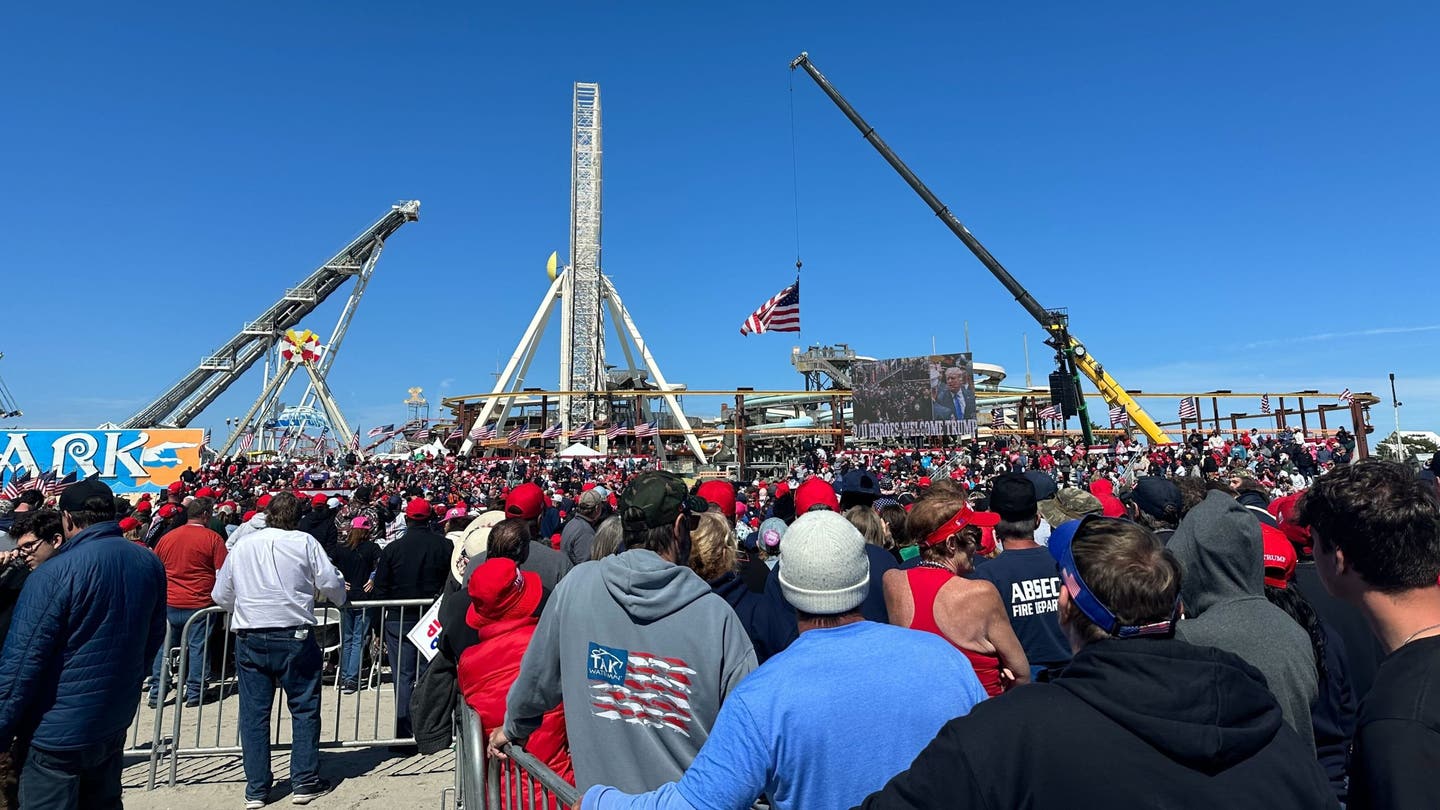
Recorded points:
(1072, 354)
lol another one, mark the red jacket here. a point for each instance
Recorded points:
(486, 671)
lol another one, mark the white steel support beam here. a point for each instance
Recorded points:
(627, 324)
(513, 376)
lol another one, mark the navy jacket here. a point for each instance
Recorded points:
(84, 636)
(769, 624)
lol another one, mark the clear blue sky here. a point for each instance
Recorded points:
(1225, 196)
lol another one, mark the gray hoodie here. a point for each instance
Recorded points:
(1218, 545)
(642, 653)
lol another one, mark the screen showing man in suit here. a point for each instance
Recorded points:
(932, 395)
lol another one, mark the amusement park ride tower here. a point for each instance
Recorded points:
(585, 295)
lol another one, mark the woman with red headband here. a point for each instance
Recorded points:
(935, 597)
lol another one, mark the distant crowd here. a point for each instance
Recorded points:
(1243, 619)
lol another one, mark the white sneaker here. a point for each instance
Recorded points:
(254, 804)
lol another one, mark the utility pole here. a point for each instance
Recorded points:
(1395, 404)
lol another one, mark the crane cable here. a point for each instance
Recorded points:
(795, 176)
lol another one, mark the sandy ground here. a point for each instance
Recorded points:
(368, 778)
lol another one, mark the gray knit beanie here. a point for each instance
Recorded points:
(823, 569)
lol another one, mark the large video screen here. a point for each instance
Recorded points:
(903, 397)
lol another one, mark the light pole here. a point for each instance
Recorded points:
(1395, 404)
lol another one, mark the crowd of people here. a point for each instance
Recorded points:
(1247, 618)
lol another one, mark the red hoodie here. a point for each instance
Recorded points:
(1105, 492)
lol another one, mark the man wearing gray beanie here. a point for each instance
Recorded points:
(844, 667)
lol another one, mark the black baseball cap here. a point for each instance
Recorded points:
(1012, 495)
(74, 497)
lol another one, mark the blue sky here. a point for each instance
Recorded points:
(1223, 196)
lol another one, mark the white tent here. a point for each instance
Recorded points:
(578, 450)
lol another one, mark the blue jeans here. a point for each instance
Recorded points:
(86, 779)
(406, 663)
(263, 659)
(354, 625)
(198, 667)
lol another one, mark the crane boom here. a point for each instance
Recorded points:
(1055, 322)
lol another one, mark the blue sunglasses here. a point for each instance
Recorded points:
(1085, 599)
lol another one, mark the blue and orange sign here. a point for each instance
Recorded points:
(126, 460)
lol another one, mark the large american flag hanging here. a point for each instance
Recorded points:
(381, 430)
(1052, 413)
(1346, 397)
(247, 441)
(651, 428)
(997, 417)
(455, 434)
(518, 434)
(552, 431)
(585, 431)
(1190, 408)
(779, 314)
(1265, 403)
(481, 433)
(616, 430)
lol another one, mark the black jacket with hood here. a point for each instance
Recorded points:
(1219, 547)
(1133, 723)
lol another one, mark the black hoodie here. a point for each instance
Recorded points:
(1134, 723)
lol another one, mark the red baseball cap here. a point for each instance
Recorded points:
(1279, 556)
(815, 492)
(526, 501)
(721, 494)
(417, 509)
(176, 486)
(319, 499)
(143, 507)
(128, 523)
(262, 501)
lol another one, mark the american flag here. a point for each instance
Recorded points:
(997, 417)
(1118, 416)
(1265, 403)
(284, 442)
(455, 434)
(422, 435)
(1190, 408)
(640, 687)
(1346, 397)
(552, 431)
(481, 433)
(19, 482)
(779, 314)
(585, 431)
(381, 430)
(519, 434)
(1052, 413)
(651, 428)
(206, 442)
(247, 440)
(54, 485)
(354, 441)
(616, 430)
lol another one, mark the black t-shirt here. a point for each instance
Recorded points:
(1397, 740)
(1029, 585)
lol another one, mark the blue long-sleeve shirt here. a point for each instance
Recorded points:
(790, 729)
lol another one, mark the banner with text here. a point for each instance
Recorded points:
(914, 396)
(126, 460)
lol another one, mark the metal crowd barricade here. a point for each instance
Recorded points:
(521, 781)
(364, 718)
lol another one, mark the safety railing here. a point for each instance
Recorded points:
(517, 781)
(353, 640)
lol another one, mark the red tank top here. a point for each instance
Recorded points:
(925, 585)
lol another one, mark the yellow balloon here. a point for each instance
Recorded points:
(550, 264)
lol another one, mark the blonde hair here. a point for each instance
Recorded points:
(870, 525)
(712, 547)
